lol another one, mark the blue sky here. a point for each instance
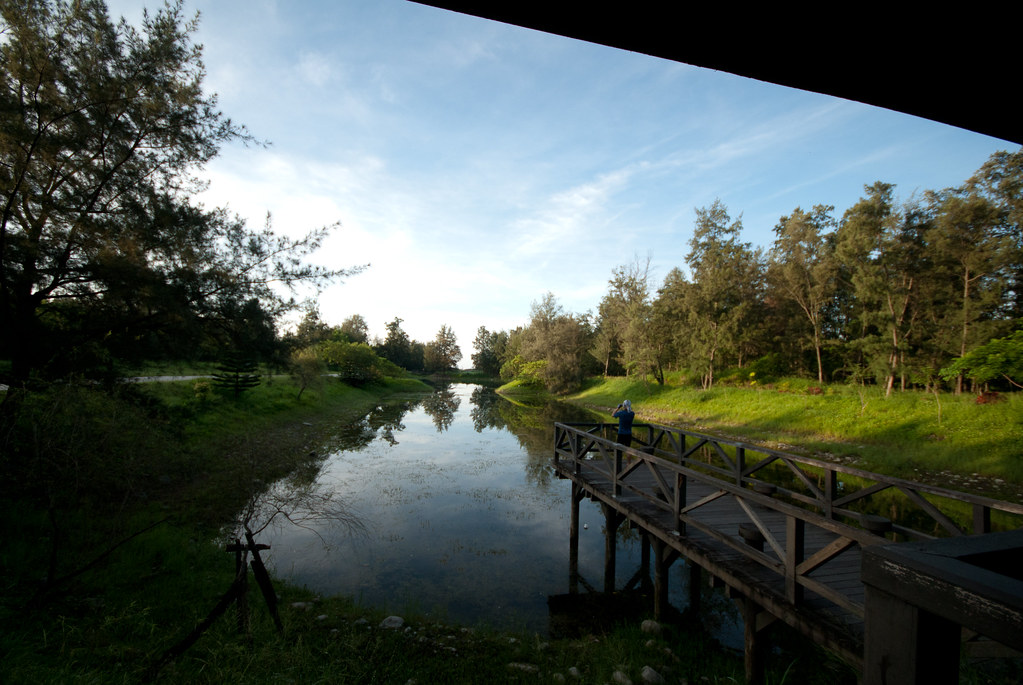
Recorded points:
(476, 166)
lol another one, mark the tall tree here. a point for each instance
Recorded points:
(882, 250)
(553, 347)
(618, 341)
(490, 349)
(311, 329)
(670, 315)
(443, 354)
(725, 277)
(802, 266)
(397, 347)
(967, 248)
(1000, 181)
(102, 129)
(355, 329)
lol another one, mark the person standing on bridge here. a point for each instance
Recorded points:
(625, 415)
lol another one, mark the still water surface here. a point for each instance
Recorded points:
(465, 521)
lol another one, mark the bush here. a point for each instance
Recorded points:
(307, 368)
(768, 368)
(356, 363)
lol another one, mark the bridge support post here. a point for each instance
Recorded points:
(753, 654)
(612, 519)
(695, 590)
(664, 557)
(644, 555)
(573, 540)
(660, 580)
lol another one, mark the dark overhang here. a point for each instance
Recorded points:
(957, 66)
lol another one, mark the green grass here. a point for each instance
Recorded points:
(111, 623)
(901, 435)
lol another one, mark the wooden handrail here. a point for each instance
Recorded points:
(828, 499)
(668, 457)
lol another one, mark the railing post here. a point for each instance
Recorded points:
(740, 464)
(981, 519)
(830, 490)
(618, 470)
(577, 455)
(795, 537)
(680, 502)
(557, 441)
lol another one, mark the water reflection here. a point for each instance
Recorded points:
(441, 407)
(464, 518)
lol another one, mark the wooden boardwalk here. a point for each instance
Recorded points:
(785, 534)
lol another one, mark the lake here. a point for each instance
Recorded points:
(464, 519)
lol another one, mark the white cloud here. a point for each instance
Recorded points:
(569, 217)
(315, 69)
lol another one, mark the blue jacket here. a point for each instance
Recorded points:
(624, 421)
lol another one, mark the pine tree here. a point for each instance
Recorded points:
(236, 373)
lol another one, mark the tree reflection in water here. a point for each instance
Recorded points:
(306, 500)
(533, 427)
(441, 407)
(302, 500)
(471, 524)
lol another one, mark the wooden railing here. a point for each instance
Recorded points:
(767, 484)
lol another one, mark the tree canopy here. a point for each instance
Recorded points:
(907, 293)
(443, 353)
(103, 130)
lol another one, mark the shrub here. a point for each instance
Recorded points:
(356, 363)
(203, 391)
(307, 368)
(768, 368)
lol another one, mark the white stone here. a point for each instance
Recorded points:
(651, 676)
(650, 627)
(620, 678)
(392, 622)
(574, 672)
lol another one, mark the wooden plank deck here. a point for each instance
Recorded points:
(693, 493)
(737, 569)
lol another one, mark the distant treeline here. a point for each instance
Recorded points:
(924, 293)
(348, 350)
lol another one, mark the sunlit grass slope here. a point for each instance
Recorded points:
(900, 434)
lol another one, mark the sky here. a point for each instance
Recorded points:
(475, 166)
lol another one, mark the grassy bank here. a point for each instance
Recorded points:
(906, 434)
